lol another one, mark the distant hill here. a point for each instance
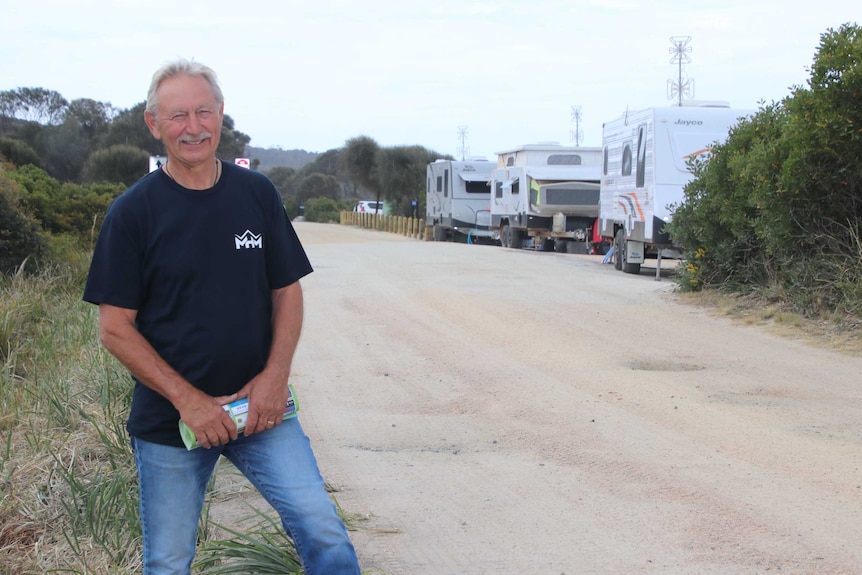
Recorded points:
(272, 157)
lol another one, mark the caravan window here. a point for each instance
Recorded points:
(498, 189)
(476, 187)
(564, 160)
(445, 183)
(439, 183)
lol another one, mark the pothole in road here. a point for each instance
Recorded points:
(662, 365)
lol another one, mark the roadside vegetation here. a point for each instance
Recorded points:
(773, 217)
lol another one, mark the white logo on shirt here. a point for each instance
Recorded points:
(248, 240)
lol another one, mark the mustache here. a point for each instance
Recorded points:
(185, 138)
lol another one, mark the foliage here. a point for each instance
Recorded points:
(119, 163)
(358, 159)
(777, 209)
(284, 180)
(128, 128)
(266, 549)
(64, 208)
(325, 210)
(401, 173)
(18, 152)
(233, 142)
(33, 104)
(318, 186)
(19, 233)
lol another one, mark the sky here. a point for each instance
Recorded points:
(460, 77)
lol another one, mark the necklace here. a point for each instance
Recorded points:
(216, 177)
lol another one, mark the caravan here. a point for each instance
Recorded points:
(457, 199)
(546, 196)
(645, 167)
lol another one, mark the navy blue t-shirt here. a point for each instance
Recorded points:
(199, 266)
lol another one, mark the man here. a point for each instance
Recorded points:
(196, 274)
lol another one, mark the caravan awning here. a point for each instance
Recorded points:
(475, 176)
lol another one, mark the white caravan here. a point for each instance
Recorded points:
(546, 196)
(457, 198)
(645, 168)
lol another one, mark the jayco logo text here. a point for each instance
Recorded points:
(248, 240)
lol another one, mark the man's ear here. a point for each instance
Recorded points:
(153, 125)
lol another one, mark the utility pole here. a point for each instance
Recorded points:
(682, 86)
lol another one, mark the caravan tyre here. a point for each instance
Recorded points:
(515, 238)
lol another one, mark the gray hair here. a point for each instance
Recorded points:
(181, 67)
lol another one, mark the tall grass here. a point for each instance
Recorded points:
(68, 486)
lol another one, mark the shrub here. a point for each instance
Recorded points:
(777, 209)
(323, 210)
(19, 233)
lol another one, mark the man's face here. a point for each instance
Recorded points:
(188, 120)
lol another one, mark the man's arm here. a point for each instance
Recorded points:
(201, 412)
(267, 392)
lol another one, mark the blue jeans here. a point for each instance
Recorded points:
(278, 462)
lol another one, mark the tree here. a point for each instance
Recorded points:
(359, 160)
(284, 179)
(63, 149)
(401, 174)
(233, 142)
(34, 105)
(318, 186)
(119, 163)
(93, 117)
(128, 127)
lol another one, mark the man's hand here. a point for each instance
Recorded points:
(206, 417)
(267, 398)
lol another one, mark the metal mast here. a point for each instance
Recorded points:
(577, 134)
(682, 86)
(464, 150)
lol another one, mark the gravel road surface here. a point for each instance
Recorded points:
(493, 411)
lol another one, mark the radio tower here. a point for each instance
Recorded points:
(683, 85)
(577, 134)
(464, 150)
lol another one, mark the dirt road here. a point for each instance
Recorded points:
(496, 411)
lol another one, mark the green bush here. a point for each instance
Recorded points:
(777, 209)
(64, 208)
(19, 233)
(323, 210)
(17, 152)
(119, 163)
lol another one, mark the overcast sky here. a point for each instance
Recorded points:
(312, 74)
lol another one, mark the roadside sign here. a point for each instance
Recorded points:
(157, 162)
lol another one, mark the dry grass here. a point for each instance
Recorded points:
(837, 333)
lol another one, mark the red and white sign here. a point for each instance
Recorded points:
(244, 162)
